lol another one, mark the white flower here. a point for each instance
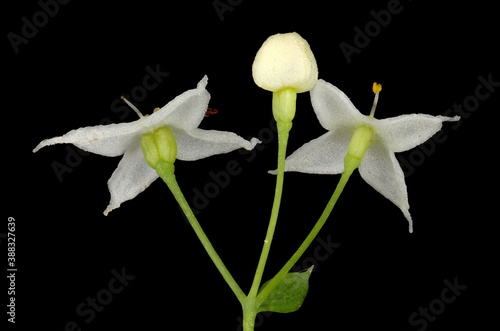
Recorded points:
(133, 175)
(285, 61)
(378, 167)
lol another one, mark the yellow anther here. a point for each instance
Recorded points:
(376, 88)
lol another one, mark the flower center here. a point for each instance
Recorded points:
(376, 89)
(159, 146)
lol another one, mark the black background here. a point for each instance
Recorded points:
(428, 58)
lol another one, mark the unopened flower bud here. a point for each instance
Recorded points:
(285, 61)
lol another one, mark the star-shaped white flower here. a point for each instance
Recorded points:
(133, 175)
(378, 167)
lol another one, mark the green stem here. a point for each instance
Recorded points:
(309, 239)
(283, 131)
(166, 172)
(249, 315)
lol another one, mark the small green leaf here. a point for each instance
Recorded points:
(288, 296)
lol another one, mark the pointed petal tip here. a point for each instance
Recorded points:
(253, 143)
(202, 83)
(108, 209)
(36, 149)
(449, 119)
(113, 204)
(410, 221)
(41, 145)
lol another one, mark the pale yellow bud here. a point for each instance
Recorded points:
(285, 61)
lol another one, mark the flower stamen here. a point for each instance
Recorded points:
(376, 89)
(134, 108)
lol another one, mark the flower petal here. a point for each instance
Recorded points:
(132, 176)
(323, 155)
(185, 112)
(197, 144)
(380, 169)
(405, 132)
(107, 140)
(333, 107)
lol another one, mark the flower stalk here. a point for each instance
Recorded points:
(284, 105)
(166, 171)
(283, 133)
(284, 65)
(307, 241)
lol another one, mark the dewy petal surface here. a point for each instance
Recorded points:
(197, 144)
(381, 170)
(107, 140)
(405, 132)
(323, 155)
(379, 166)
(185, 112)
(132, 176)
(333, 107)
